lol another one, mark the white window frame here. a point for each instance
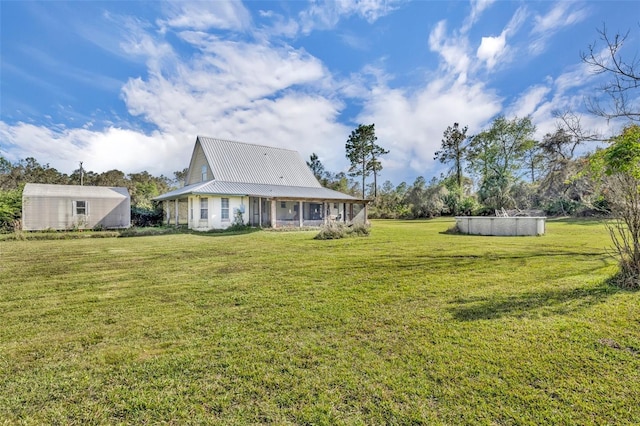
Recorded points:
(224, 209)
(204, 208)
(204, 172)
(76, 208)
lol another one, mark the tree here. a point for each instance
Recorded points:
(453, 149)
(316, 166)
(143, 187)
(534, 160)
(390, 203)
(498, 155)
(625, 78)
(376, 165)
(426, 200)
(10, 209)
(363, 153)
(180, 177)
(564, 188)
(619, 165)
(111, 178)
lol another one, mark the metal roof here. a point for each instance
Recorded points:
(258, 164)
(246, 169)
(78, 191)
(216, 187)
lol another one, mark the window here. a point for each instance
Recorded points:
(283, 204)
(204, 208)
(335, 205)
(204, 173)
(81, 207)
(224, 213)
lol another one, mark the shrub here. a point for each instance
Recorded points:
(144, 217)
(10, 210)
(561, 207)
(238, 222)
(337, 230)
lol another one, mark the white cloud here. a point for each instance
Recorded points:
(527, 103)
(325, 14)
(225, 77)
(453, 50)
(112, 148)
(203, 15)
(354, 41)
(491, 49)
(477, 7)
(561, 15)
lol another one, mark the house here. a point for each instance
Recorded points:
(260, 185)
(60, 207)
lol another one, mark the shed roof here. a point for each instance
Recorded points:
(50, 190)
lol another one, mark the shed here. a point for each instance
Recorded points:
(60, 207)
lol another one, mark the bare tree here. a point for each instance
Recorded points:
(625, 78)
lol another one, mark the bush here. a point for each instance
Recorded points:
(10, 210)
(145, 217)
(238, 222)
(337, 230)
(561, 207)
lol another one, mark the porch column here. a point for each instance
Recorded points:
(300, 219)
(260, 212)
(273, 213)
(176, 210)
(324, 213)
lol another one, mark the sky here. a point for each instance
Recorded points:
(128, 85)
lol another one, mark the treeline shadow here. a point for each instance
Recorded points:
(547, 302)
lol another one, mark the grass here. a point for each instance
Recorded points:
(407, 326)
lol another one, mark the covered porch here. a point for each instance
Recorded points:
(296, 213)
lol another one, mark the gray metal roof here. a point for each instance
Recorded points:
(258, 164)
(258, 171)
(217, 187)
(50, 190)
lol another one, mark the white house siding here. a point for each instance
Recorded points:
(214, 218)
(54, 207)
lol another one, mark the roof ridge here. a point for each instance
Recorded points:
(247, 143)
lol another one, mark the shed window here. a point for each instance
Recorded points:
(204, 173)
(81, 207)
(224, 212)
(204, 208)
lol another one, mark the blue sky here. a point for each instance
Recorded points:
(128, 85)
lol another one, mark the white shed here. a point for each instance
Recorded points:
(60, 207)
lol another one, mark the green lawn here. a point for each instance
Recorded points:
(409, 325)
